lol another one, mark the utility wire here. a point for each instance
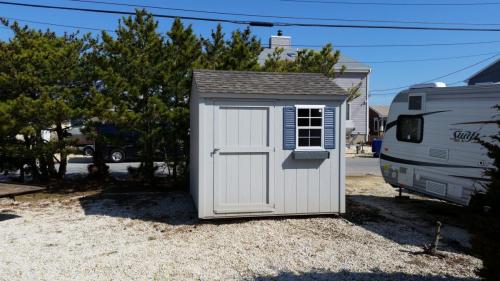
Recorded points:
(59, 25)
(294, 45)
(368, 62)
(255, 23)
(394, 4)
(431, 59)
(277, 16)
(402, 45)
(436, 78)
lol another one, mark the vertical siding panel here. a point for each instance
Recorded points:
(313, 187)
(302, 187)
(257, 177)
(244, 179)
(279, 174)
(206, 191)
(325, 187)
(232, 178)
(256, 132)
(334, 161)
(290, 184)
(232, 129)
(245, 126)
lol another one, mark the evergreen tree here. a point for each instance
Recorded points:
(42, 85)
(242, 51)
(214, 50)
(184, 53)
(487, 228)
(306, 60)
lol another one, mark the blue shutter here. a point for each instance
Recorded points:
(288, 128)
(329, 127)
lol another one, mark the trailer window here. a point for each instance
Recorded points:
(415, 102)
(410, 128)
(310, 127)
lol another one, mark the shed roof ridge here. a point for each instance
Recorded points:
(260, 72)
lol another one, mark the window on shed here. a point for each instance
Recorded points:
(410, 128)
(309, 127)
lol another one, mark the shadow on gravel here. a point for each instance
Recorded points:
(410, 222)
(175, 208)
(347, 275)
(6, 216)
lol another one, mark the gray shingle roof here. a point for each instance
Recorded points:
(350, 64)
(270, 83)
(382, 110)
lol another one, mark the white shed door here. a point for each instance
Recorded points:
(243, 157)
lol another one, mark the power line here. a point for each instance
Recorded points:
(436, 78)
(59, 25)
(255, 23)
(369, 62)
(394, 4)
(294, 45)
(277, 16)
(431, 59)
(403, 45)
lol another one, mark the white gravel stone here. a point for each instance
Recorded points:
(157, 237)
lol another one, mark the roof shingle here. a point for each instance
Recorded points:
(269, 83)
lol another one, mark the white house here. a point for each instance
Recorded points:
(266, 144)
(356, 72)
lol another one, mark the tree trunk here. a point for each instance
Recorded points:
(63, 162)
(98, 169)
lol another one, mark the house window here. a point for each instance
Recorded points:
(410, 128)
(309, 127)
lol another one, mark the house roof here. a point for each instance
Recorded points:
(381, 110)
(483, 70)
(350, 64)
(272, 83)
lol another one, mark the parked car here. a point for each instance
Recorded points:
(122, 145)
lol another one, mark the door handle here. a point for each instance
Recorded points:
(214, 151)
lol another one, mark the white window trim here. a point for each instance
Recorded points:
(322, 127)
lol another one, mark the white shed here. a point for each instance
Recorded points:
(265, 144)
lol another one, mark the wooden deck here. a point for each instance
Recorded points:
(11, 190)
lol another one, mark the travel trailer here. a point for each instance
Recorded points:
(430, 143)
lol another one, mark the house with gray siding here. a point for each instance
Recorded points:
(489, 74)
(356, 72)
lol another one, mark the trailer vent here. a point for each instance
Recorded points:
(438, 153)
(435, 187)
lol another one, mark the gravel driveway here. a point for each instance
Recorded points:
(157, 237)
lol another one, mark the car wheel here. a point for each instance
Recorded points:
(88, 151)
(117, 156)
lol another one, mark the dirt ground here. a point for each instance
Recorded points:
(156, 236)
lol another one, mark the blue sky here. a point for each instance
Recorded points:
(384, 75)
